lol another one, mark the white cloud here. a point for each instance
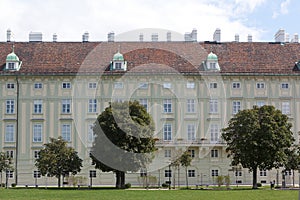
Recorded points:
(283, 10)
(71, 18)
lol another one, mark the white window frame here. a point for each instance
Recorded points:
(38, 85)
(9, 133)
(143, 85)
(38, 106)
(92, 85)
(236, 85)
(285, 86)
(92, 108)
(214, 153)
(191, 173)
(260, 85)
(236, 107)
(167, 103)
(10, 106)
(191, 132)
(37, 174)
(66, 131)
(37, 133)
(167, 85)
(213, 106)
(260, 103)
(66, 85)
(118, 65)
(263, 173)
(213, 85)
(10, 173)
(192, 153)
(118, 85)
(66, 106)
(190, 85)
(10, 153)
(36, 154)
(10, 86)
(11, 66)
(286, 107)
(214, 133)
(214, 172)
(144, 103)
(167, 132)
(168, 173)
(90, 136)
(168, 153)
(190, 105)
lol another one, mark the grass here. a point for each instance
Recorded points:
(102, 194)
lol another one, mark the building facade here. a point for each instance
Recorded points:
(191, 89)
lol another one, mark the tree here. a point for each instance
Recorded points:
(57, 159)
(124, 139)
(293, 161)
(185, 161)
(258, 139)
(5, 165)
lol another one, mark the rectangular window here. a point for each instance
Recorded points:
(10, 133)
(92, 105)
(236, 85)
(91, 136)
(236, 107)
(213, 85)
(10, 106)
(36, 174)
(260, 85)
(284, 86)
(167, 85)
(144, 103)
(214, 172)
(167, 105)
(10, 174)
(38, 85)
(263, 173)
(192, 153)
(66, 85)
(260, 103)
(190, 85)
(191, 173)
(143, 85)
(92, 85)
(214, 153)
(285, 108)
(10, 154)
(213, 106)
(167, 132)
(93, 174)
(118, 65)
(190, 103)
(37, 106)
(11, 66)
(212, 65)
(168, 153)
(118, 85)
(191, 132)
(168, 173)
(214, 133)
(37, 132)
(238, 173)
(66, 106)
(66, 132)
(36, 154)
(10, 86)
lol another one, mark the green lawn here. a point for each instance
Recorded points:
(110, 194)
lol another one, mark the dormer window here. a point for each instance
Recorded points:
(118, 66)
(211, 63)
(118, 62)
(12, 62)
(11, 66)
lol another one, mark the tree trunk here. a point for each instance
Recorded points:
(294, 178)
(178, 176)
(123, 180)
(254, 182)
(118, 179)
(186, 178)
(58, 181)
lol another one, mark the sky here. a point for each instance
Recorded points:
(70, 19)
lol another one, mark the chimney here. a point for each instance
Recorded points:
(85, 37)
(8, 35)
(54, 37)
(236, 38)
(154, 37)
(111, 36)
(249, 38)
(217, 35)
(187, 37)
(141, 37)
(296, 38)
(169, 36)
(35, 37)
(287, 38)
(194, 35)
(280, 36)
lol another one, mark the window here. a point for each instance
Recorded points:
(66, 85)
(118, 85)
(144, 102)
(190, 103)
(91, 136)
(143, 85)
(167, 132)
(93, 174)
(213, 85)
(236, 107)
(285, 108)
(168, 153)
(66, 106)
(214, 133)
(191, 132)
(66, 132)
(11, 66)
(37, 106)
(36, 174)
(192, 153)
(191, 173)
(212, 65)
(143, 172)
(36, 154)
(167, 85)
(190, 85)
(10, 106)
(236, 85)
(38, 85)
(213, 106)
(10, 154)
(214, 172)
(214, 153)
(92, 85)
(238, 173)
(37, 132)
(288, 172)
(167, 105)
(260, 103)
(92, 105)
(263, 173)
(260, 85)
(284, 86)
(168, 173)
(10, 174)
(118, 65)
(10, 133)
(10, 86)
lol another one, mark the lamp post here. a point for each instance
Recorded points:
(6, 173)
(170, 176)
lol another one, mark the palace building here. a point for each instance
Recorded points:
(191, 89)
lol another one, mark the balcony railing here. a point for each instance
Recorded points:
(196, 142)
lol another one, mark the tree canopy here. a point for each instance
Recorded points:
(124, 139)
(57, 159)
(258, 138)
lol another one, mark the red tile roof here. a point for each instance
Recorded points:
(152, 57)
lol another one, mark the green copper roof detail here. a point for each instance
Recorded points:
(12, 57)
(118, 57)
(212, 56)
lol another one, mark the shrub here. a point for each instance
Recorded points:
(13, 185)
(259, 185)
(220, 180)
(128, 185)
(165, 185)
